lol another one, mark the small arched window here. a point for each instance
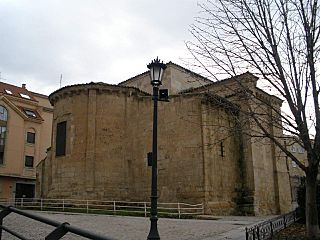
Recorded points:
(3, 131)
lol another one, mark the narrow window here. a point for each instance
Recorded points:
(221, 149)
(3, 130)
(1, 158)
(3, 114)
(31, 137)
(2, 142)
(29, 161)
(61, 138)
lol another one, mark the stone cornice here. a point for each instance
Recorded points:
(221, 102)
(45, 109)
(268, 97)
(243, 78)
(99, 87)
(17, 176)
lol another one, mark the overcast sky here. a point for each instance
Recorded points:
(89, 40)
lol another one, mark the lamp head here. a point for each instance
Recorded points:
(156, 71)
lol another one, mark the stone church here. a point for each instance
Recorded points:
(102, 134)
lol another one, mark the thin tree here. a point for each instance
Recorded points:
(278, 40)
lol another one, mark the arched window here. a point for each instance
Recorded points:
(3, 131)
(3, 114)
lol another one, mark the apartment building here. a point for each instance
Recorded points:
(25, 133)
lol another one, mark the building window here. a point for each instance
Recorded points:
(31, 137)
(3, 131)
(29, 161)
(24, 95)
(1, 158)
(8, 91)
(61, 135)
(294, 164)
(300, 150)
(293, 149)
(221, 149)
(3, 114)
(30, 113)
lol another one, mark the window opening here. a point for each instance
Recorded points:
(294, 164)
(221, 149)
(61, 138)
(301, 150)
(24, 95)
(31, 137)
(3, 113)
(30, 113)
(3, 131)
(29, 161)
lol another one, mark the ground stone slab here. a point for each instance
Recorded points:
(133, 228)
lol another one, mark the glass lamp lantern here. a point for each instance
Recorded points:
(156, 71)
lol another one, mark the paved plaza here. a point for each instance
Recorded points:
(134, 228)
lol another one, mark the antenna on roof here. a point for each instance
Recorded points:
(60, 79)
(1, 77)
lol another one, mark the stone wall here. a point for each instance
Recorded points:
(222, 159)
(207, 149)
(265, 186)
(175, 79)
(109, 132)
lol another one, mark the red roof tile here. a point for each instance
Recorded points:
(16, 91)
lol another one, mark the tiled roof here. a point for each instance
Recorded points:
(12, 90)
(134, 77)
(38, 94)
(217, 82)
(167, 64)
(97, 84)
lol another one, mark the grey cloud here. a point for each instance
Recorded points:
(87, 40)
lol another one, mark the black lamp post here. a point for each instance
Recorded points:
(156, 71)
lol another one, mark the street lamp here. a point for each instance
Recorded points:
(156, 71)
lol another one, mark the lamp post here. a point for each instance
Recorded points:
(156, 71)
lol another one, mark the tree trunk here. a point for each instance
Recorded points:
(311, 206)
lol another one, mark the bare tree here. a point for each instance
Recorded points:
(278, 40)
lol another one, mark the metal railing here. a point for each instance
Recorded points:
(107, 207)
(267, 229)
(60, 230)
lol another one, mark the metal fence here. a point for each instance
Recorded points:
(267, 229)
(60, 230)
(108, 207)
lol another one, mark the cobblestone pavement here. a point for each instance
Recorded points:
(133, 228)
